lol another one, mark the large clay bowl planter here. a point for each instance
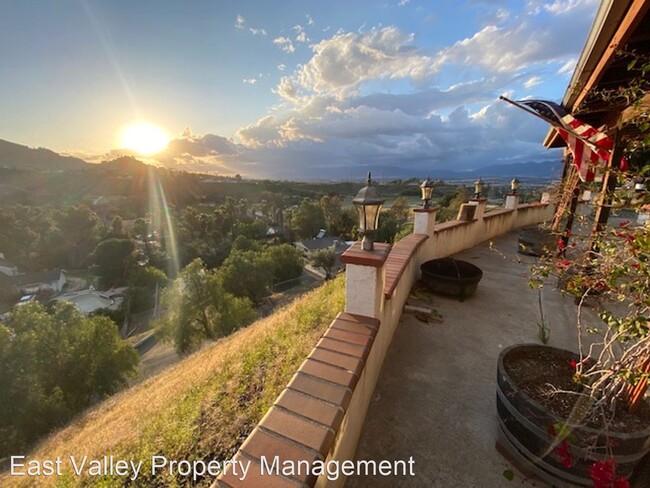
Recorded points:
(524, 438)
(451, 277)
(534, 241)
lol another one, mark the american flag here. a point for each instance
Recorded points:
(591, 148)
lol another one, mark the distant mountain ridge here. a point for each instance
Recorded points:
(542, 170)
(17, 156)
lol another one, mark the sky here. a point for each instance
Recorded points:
(290, 89)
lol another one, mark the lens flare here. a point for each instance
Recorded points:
(144, 138)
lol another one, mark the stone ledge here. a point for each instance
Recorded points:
(496, 213)
(451, 224)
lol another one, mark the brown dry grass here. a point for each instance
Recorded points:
(202, 407)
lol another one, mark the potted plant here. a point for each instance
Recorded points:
(580, 419)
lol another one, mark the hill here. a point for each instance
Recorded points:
(202, 407)
(541, 170)
(17, 156)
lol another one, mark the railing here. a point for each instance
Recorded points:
(319, 417)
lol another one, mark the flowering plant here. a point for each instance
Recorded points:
(608, 271)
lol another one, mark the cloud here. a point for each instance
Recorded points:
(340, 64)
(257, 32)
(402, 3)
(568, 67)
(532, 81)
(508, 49)
(207, 153)
(285, 44)
(424, 102)
(375, 98)
(302, 37)
(264, 132)
(310, 21)
(562, 7)
(240, 23)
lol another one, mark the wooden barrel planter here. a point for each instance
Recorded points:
(524, 436)
(451, 277)
(534, 241)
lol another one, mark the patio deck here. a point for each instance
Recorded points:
(435, 397)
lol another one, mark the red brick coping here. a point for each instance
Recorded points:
(374, 258)
(303, 422)
(398, 260)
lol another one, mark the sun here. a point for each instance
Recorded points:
(144, 138)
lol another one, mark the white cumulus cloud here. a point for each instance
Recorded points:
(532, 81)
(285, 44)
(341, 63)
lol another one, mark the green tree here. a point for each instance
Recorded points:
(78, 230)
(111, 258)
(331, 205)
(307, 219)
(286, 262)
(400, 210)
(118, 225)
(388, 228)
(247, 274)
(142, 287)
(324, 259)
(53, 366)
(198, 308)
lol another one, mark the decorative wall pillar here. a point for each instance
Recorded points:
(512, 201)
(364, 286)
(425, 220)
(480, 203)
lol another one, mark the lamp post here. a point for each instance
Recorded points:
(478, 188)
(368, 203)
(514, 186)
(427, 191)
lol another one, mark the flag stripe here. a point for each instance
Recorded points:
(590, 147)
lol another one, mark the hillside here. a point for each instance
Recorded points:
(17, 156)
(201, 408)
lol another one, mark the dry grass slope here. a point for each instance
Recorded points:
(201, 408)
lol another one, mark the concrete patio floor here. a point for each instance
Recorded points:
(435, 398)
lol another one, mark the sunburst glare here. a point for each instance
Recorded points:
(144, 138)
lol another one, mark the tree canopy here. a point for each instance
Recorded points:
(198, 308)
(53, 366)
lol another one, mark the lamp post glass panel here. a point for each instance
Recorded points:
(514, 186)
(368, 204)
(478, 188)
(427, 191)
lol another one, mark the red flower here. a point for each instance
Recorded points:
(573, 364)
(562, 451)
(621, 482)
(603, 475)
